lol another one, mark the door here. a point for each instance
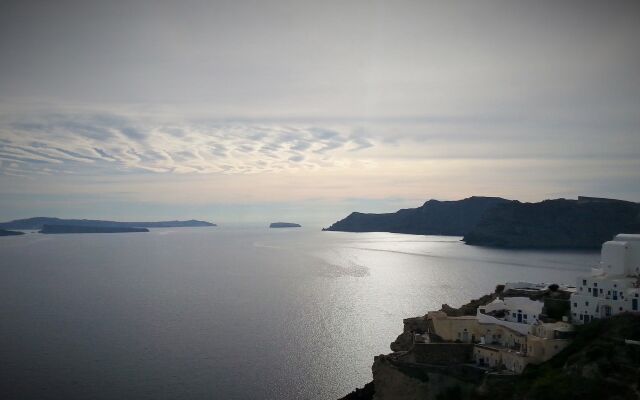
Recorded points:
(519, 317)
(634, 304)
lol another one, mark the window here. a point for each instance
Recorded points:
(575, 305)
(586, 303)
(620, 308)
(595, 284)
(581, 317)
(601, 290)
(589, 290)
(584, 282)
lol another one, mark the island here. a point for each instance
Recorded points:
(63, 229)
(584, 223)
(38, 222)
(4, 232)
(284, 225)
(434, 217)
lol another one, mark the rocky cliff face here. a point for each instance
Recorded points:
(453, 218)
(584, 223)
(400, 381)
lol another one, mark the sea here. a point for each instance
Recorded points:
(230, 312)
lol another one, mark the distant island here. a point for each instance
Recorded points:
(284, 225)
(62, 229)
(10, 233)
(39, 222)
(492, 221)
(449, 218)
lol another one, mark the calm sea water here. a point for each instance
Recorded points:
(229, 313)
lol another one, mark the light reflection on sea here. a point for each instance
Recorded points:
(229, 313)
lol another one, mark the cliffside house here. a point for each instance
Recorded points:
(527, 323)
(613, 286)
(507, 334)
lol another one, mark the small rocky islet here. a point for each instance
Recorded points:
(284, 225)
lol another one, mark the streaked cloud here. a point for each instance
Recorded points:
(90, 142)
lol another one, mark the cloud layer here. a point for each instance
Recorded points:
(94, 143)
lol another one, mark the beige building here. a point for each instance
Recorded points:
(500, 345)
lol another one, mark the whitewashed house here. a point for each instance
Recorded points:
(613, 286)
(517, 313)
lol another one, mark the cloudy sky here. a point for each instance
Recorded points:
(252, 111)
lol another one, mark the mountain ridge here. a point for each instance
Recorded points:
(584, 223)
(434, 217)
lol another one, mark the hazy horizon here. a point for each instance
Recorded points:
(249, 112)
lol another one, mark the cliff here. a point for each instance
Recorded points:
(454, 218)
(61, 229)
(10, 233)
(582, 224)
(39, 222)
(601, 363)
(284, 225)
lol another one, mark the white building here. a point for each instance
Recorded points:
(613, 286)
(517, 313)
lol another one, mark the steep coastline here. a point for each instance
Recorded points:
(582, 224)
(452, 218)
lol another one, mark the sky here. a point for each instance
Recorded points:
(255, 111)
